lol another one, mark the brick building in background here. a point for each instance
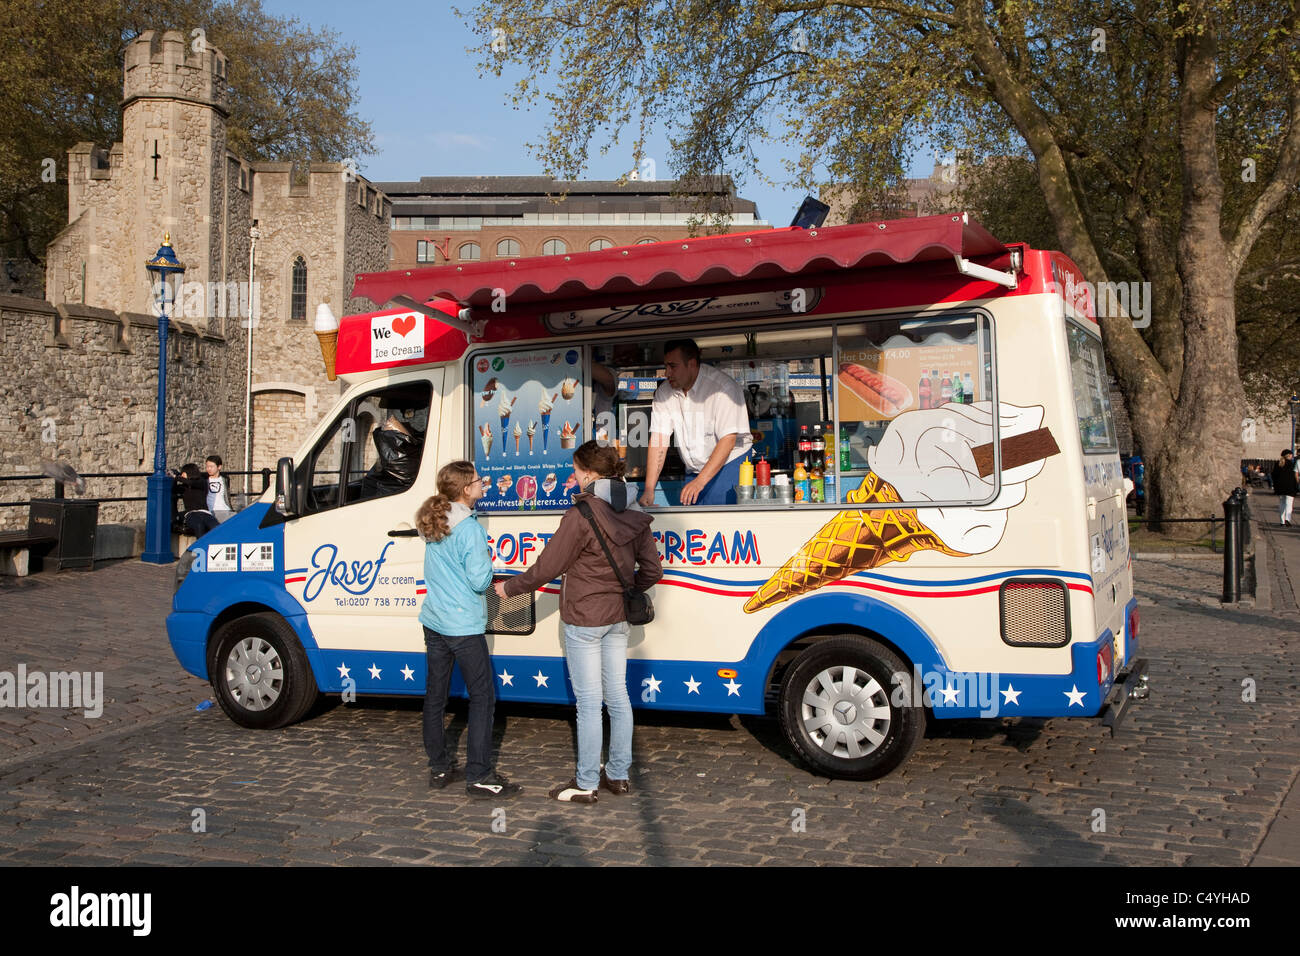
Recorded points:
(440, 219)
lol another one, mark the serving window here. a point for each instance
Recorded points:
(843, 385)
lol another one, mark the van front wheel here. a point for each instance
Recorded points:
(260, 673)
(843, 710)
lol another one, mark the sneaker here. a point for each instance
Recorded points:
(492, 787)
(438, 779)
(571, 793)
(619, 787)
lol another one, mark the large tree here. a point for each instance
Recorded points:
(1162, 136)
(293, 91)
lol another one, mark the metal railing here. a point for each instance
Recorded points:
(60, 491)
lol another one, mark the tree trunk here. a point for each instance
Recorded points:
(1197, 461)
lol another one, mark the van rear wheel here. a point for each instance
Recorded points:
(260, 672)
(844, 712)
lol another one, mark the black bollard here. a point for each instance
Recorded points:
(1232, 547)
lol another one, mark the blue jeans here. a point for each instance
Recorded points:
(471, 653)
(597, 658)
(722, 489)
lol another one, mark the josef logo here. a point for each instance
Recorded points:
(481, 365)
(498, 364)
(356, 577)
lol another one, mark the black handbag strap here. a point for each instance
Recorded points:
(585, 508)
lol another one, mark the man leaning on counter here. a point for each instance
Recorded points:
(705, 409)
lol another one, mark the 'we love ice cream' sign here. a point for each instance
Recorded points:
(396, 338)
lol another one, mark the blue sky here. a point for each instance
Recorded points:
(434, 116)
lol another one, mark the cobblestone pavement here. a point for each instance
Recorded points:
(1196, 776)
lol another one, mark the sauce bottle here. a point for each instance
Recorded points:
(762, 471)
(746, 472)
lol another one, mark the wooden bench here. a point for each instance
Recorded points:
(16, 551)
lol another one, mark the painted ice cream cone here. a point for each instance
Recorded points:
(544, 407)
(485, 436)
(518, 433)
(936, 455)
(503, 410)
(532, 432)
(852, 541)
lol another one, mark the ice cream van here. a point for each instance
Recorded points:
(963, 552)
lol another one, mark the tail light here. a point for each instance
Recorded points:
(1105, 657)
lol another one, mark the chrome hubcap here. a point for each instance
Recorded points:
(254, 674)
(845, 712)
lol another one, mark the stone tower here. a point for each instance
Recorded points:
(167, 175)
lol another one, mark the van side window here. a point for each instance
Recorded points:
(372, 450)
(1091, 391)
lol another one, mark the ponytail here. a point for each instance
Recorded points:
(453, 478)
(431, 519)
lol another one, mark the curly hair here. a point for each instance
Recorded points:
(453, 478)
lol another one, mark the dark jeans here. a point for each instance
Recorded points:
(471, 653)
(199, 523)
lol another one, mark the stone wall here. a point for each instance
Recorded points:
(282, 425)
(79, 384)
(366, 239)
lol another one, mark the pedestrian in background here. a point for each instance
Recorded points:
(1284, 485)
(593, 612)
(457, 575)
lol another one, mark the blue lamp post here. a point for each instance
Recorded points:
(158, 510)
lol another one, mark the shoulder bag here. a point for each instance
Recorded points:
(636, 604)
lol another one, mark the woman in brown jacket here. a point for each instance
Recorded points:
(591, 609)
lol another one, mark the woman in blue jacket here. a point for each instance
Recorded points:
(457, 573)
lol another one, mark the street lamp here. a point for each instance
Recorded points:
(158, 510)
(1293, 402)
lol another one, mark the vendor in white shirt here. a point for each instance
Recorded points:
(705, 409)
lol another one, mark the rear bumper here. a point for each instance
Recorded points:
(1130, 686)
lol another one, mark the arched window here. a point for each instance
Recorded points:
(298, 291)
(508, 247)
(597, 244)
(645, 242)
(554, 247)
(469, 252)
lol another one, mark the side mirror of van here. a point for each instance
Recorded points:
(286, 490)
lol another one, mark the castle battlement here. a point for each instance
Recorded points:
(173, 65)
(287, 181)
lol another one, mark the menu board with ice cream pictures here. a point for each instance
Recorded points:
(526, 410)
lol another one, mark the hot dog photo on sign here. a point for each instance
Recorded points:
(884, 395)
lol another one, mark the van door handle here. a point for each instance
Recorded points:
(403, 533)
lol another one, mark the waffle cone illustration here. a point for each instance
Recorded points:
(329, 346)
(852, 541)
